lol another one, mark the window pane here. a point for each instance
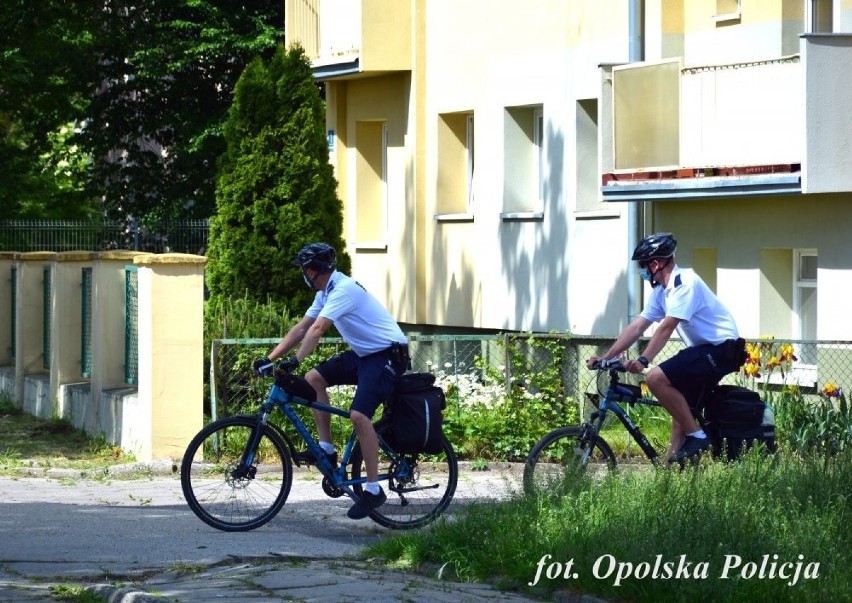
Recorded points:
(807, 354)
(808, 312)
(725, 7)
(807, 267)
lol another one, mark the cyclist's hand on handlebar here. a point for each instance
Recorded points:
(262, 367)
(634, 366)
(598, 363)
(289, 365)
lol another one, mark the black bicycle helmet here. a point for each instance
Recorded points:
(657, 245)
(317, 256)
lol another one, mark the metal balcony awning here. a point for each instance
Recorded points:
(702, 183)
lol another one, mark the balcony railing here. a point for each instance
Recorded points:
(762, 127)
(348, 37)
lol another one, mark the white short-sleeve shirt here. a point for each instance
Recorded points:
(703, 318)
(363, 322)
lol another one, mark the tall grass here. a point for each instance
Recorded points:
(756, 509)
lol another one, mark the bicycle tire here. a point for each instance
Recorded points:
(558, 456)
(223, 500)
(420, 486)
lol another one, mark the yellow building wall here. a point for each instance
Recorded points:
(754, 272)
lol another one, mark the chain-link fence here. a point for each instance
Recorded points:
(532, 362)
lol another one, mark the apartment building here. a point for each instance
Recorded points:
(498, 160)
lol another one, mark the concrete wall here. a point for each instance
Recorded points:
(154, 419)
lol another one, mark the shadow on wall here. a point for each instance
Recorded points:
(537, 278)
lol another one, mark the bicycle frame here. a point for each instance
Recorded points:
(616, 394)
(285, 401)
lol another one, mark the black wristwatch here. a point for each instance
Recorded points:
(643, 361)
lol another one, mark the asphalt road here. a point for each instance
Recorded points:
(68, 528)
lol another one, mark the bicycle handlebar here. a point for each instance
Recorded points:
(611, 364)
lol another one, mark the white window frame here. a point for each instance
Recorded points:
(379, 242)
(385, 196)
(524, 179)
(812, 15)
(800, 283)
(727, 15)
(470, 152)
(538, 127)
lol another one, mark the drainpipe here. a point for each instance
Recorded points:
(636, 49)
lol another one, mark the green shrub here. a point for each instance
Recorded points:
(276, 189)
(485, 419)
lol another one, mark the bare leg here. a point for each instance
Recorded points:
(676, 441)
(322, 419)
(369, 443)
(673, 401)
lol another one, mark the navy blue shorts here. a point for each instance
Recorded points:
(374, 376)
(701, 367)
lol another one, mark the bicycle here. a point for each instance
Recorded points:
(237, 471)
(576, 447)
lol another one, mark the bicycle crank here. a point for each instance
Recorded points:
(330, 489)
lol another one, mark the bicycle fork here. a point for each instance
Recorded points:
(246, 468)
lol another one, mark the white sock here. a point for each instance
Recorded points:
(698, 434)
(372, 487)
(327, 447)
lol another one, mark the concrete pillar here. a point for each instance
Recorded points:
(29, 334)
(8, 260)
(108, 314)
(171, 350)
(67, 321)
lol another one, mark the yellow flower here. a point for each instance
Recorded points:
(753, 352)
(752, 370)
(831, 390)
(773, 362)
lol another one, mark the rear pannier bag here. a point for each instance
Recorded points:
(737, 416)
(416, 414)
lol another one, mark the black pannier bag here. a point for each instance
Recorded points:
(737, 416)
(416, 414)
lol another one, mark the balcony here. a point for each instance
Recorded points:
(349, 38)
(770, 127)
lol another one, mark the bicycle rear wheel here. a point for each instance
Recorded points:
(219, 491)
(562, 455)
(419, 487)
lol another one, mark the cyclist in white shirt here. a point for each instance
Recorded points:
(378, 356)
(680, 301)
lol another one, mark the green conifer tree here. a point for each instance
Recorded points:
(276, 189)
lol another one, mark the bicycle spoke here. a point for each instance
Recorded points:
(561, 456)
(225, 497)
(419, 487)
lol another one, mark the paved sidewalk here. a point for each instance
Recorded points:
(267, 580)
(136, 541)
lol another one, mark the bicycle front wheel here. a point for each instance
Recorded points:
(226, 495)
(419, 487)
(563, 454)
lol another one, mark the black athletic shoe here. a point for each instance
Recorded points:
(306, 457)
(691, 447)
(366, 503)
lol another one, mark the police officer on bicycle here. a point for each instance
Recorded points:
(378, 355)
(680, 302)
